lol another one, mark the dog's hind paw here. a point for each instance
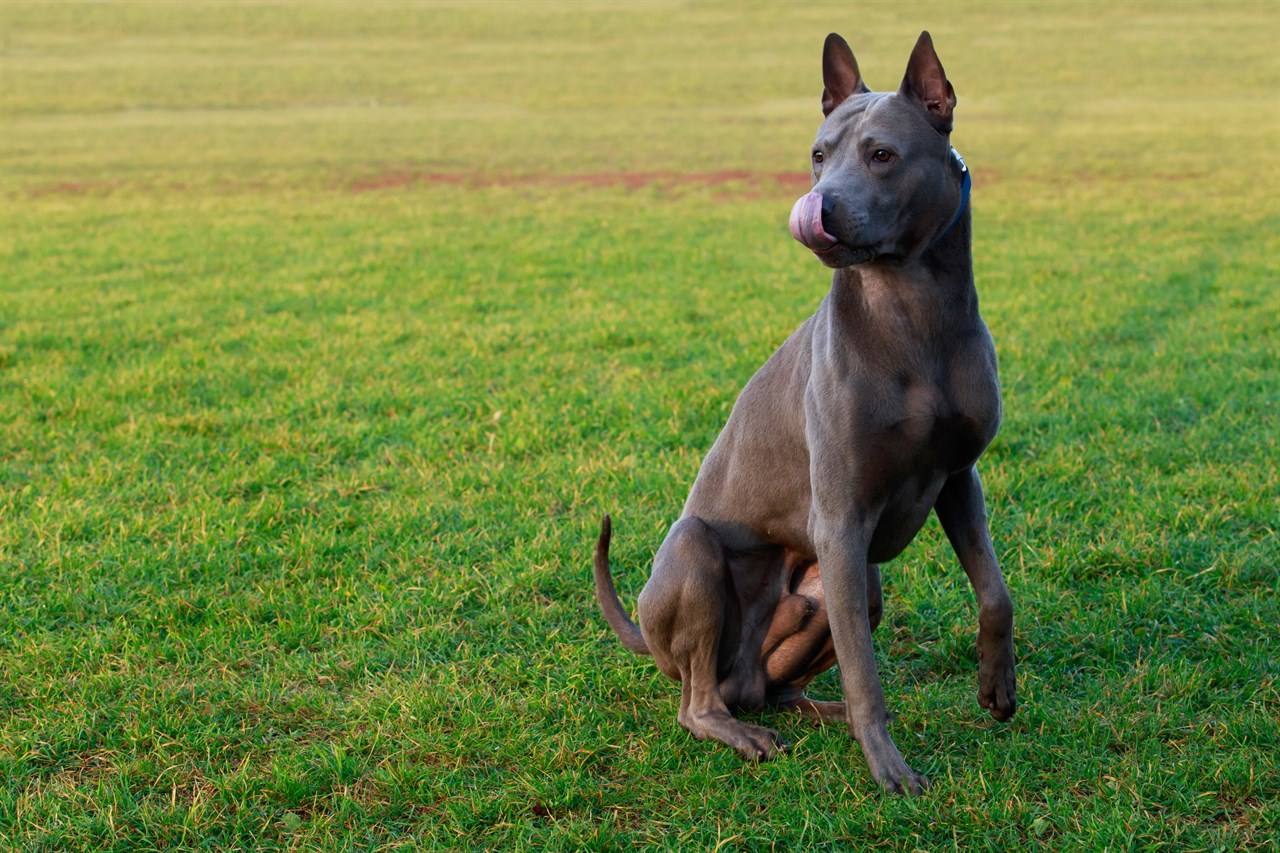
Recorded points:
(760, 744)
(754, 743)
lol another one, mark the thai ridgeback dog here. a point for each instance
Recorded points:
(869, 416)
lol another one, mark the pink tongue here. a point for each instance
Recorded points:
(806, 223)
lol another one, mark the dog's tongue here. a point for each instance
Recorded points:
(806, 223)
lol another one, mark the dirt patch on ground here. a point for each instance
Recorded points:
(735, 182)
(728, 183)
(75, 188)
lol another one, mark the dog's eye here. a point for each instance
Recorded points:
(817, 156)
(881, 156)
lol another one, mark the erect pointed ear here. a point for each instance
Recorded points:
(926, 84)
(840, 75)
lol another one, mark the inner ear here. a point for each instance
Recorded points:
(926, 83)
(840, 75)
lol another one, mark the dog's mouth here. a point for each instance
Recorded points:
(806, 224)
(806, 227)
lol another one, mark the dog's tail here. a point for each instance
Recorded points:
(628, 632)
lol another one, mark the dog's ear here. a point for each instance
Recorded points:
(840, 75)
(926, 84)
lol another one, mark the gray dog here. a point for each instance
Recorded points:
(871, 414)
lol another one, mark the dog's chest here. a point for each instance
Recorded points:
(941, 430)
(928, 435)
(939, 422)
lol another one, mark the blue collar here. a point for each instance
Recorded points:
(966, 183)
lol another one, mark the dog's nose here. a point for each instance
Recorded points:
(828, 209)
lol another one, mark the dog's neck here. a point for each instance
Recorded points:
(931, 296)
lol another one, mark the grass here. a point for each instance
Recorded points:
(328, 331)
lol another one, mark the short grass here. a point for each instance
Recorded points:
(328, 332)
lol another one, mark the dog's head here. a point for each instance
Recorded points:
(885, 182)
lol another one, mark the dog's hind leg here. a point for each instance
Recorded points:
(799, 648)
(690, 616)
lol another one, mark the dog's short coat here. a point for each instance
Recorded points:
(869, 416)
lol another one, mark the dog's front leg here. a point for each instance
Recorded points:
(842, 559)
(962, 511)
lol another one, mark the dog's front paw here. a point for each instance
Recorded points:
(909, 783)
(888, 766)
(898, 778)
(997, 684)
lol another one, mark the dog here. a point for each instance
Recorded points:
(868, 416)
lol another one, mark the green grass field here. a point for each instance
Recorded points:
(329, 331)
